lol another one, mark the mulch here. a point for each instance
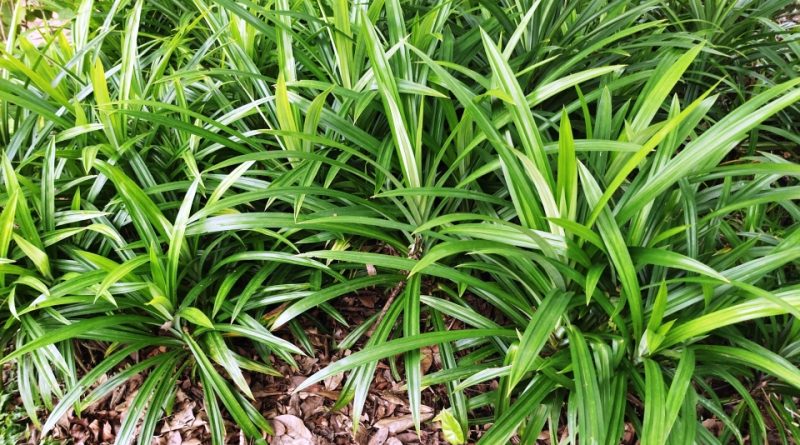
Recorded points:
(303, 418)
(306, 417)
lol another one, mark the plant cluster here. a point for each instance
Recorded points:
(600, 192)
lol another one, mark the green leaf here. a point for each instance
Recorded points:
(120, 272)
(36, 255)
(678, 390)
(176, 240)
(617, 251)
(592, 428)
(226, 358)
(7, 227)
(507, 424)
(196, 316)
(592, 278)
(411, 328)
(392, 103)
(523, 119)
(663, 84)
(758, 307)
(634, 161)
(330, 292)
(220, 387)
(754, 356)
(536, 334)
(398, 346)
(144, 212)
(73, 330)
(712, 146)
(654, 425)
(451, 248)
(666, 258)
(142, 400)
(451, 430)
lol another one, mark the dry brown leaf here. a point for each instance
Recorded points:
(174, 438)
(333, 382)
(94, 427)
(391, 398)
(108, 432)
(181, 419)
(426, 360)
(312, 405)
(402, 423)
(379, 438)
(294, 431)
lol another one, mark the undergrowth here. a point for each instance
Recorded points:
(617, 179)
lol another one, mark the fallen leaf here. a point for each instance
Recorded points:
(333, 381)
(379, 438)
(426, 360)
(174, 438)
(183, 418)
(402, 423)
(108, 432)
(295, 431)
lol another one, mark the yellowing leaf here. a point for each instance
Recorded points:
(451, 430)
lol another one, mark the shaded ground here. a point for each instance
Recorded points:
(298, 419)
(303, 418)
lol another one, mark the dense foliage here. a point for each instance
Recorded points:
(599, 193)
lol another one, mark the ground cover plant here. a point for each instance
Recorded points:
(589, 205)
